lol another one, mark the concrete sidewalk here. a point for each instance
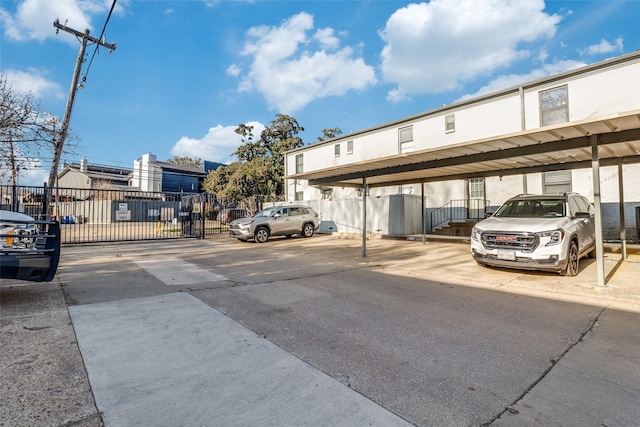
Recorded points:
(171, 360)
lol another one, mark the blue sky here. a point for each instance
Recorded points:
(186, 73)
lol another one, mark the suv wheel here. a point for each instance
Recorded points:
(262, 235)
(307, 230)
(573, 263)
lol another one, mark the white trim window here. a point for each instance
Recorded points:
(350, 147)
(449, 123)
(405, 139)
(554, 106)
(336, 150)
(299, 163)
(556, 182)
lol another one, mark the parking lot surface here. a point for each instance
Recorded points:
(306, 331)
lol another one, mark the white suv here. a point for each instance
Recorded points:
(537, 232)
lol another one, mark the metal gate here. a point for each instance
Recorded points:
(192, 215)
(90, 215)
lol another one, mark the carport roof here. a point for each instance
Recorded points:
(556, 147)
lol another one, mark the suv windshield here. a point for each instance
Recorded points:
(265, 213)
(533, 208)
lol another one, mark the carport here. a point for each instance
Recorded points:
(605, 141)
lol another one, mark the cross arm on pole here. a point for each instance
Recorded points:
(59, 26)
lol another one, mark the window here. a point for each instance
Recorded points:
(556, 182)
(405, 137)
(326, 194)
(299, 163)
(349, 147)
(583, 204)
(336, 150)
(296, 211)
(573, 206)
(450, 123)
(476, 188)
(299, 196)
(554, 106)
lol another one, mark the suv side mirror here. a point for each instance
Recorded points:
(276, 215)
(583, 215)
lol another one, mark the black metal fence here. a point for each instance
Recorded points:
(108, 215)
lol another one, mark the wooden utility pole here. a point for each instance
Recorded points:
(59, 142)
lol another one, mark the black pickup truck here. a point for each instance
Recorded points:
(29, 248)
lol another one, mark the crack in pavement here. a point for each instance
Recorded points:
(554, 362)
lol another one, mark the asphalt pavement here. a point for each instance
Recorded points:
(307, 332)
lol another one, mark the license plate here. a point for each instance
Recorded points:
(507, 255)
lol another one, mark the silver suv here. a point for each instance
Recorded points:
(537, 232)
(276, 221)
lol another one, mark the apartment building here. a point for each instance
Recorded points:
(597, 98)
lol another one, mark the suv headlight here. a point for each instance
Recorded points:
(554, 236)
(476, 234)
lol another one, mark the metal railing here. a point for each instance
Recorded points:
(458, 210)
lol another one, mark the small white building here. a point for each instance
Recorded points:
(573, 102)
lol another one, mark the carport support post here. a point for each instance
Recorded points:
(595, 166)
(623, 231)
(424, 226)
(364, 216)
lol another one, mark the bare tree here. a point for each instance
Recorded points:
(26, 133)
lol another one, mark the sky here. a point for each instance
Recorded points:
(186, 73)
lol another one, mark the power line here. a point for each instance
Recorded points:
(113, 5)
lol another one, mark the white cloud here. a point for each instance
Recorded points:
(604, 47)
(434, 47)
(511, 80)
(33, 19)
(32, 81)
(234, 70)
(290, 71)
(326, 38)
(217, 145)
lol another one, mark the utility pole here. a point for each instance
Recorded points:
(85, 39)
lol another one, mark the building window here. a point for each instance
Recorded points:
(450, 123)
(554, 106)
(336, 150)
(476, 188)
(349, 147)
(556, 182)
(299, 196)
(405, 139)
(299, 163)
(326, 194)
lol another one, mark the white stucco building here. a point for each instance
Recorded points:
(326, 174)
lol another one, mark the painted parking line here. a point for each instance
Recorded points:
(176, 272)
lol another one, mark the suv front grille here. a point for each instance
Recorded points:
(525, 242)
